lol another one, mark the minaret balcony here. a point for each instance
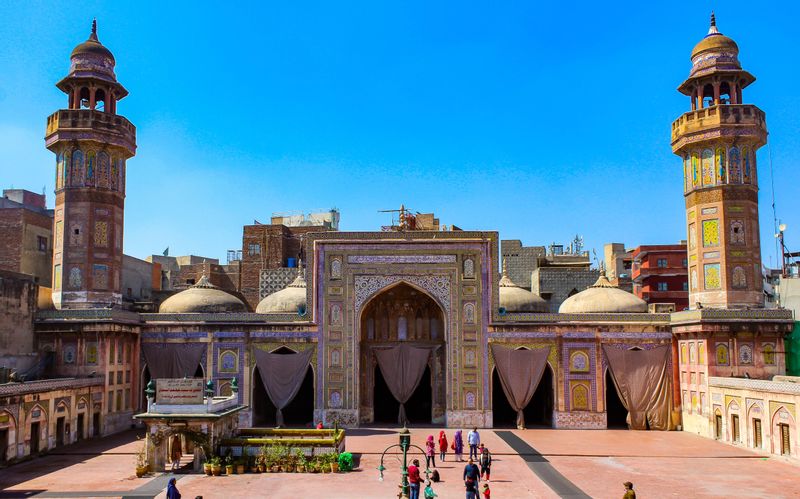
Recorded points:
(90, 125)
(726, 120)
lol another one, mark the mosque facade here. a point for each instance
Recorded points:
(425, 326)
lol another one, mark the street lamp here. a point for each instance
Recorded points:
(405, 444)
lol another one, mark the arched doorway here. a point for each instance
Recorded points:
(538, 412)
(299, 413)
(402, 315)
(616, 414)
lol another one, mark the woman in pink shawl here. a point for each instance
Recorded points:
(430, 452)
(458, 446)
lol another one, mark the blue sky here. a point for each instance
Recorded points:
(540, 122)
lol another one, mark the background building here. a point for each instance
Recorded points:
(660, 274)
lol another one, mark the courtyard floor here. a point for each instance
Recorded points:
(527, 464)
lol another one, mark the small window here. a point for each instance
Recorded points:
(110, 405)
(253, 249)
(662, 286)
(41, 243)
(718, 426)
(685, 263)
(662, 263)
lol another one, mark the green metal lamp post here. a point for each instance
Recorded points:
(405, 444)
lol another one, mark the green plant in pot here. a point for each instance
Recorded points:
(345, 462)
(228, 464)
(262, 459)
(300, 460)
(241, 463)
(216, 466)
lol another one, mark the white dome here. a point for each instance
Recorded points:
(203, 297)
(516, 299)
(603, 298)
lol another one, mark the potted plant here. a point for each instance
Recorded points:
(240, 464)
(300, 460)
(262, 459)
(216, 466)
(333, 459)
(228, 465)
(253, 462)
(141, 460)
(345, 462)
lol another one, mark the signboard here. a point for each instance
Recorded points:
(179, 391)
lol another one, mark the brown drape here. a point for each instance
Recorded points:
(642, 380)
(282, 376)
(402, 368)
(172, 360)
(520, 372)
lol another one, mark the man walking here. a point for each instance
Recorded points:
(473, 439)
(413, 480)
(471, 478)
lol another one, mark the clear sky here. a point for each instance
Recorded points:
(540, 122)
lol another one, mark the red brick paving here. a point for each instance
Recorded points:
(660, 464)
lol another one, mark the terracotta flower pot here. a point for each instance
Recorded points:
(334, 467)
(207, 469)
(240, 469)
(216, 469)
(229, 469)
(141, 471)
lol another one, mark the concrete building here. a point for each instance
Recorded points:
(26, 235)
(660, 274)
(521, 260)
(619, 263)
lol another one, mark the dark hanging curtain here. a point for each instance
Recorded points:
(172, 360)
(282, 376)
(642, 380)
(402, 367)
(520, 372)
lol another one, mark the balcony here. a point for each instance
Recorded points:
(86, 124)
(641, 273)
(695, 125)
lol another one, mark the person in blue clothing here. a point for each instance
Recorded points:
(471, 477)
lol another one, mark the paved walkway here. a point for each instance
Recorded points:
(527, 464)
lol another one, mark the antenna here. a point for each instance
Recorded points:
(774, 212)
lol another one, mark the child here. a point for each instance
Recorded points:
(485, 461)
(486, 492)
(429, 493)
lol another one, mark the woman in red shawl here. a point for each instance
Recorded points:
(442, 445)
(430, 452)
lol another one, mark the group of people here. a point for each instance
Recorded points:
(472, 475)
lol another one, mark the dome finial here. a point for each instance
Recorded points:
(712, 29)
(93, 36)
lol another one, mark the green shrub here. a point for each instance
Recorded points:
(345, 461)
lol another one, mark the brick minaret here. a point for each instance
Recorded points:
(717, 141)
(92, 144)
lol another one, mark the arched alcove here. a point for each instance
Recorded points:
(402, 315)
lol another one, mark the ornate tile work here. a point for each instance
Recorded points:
(221, 355)
(711, 276)
(437, 285)
(273, 280)
(100, 276)
(101, 234)
(401, 259)
(588, 377)
(710, 233)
